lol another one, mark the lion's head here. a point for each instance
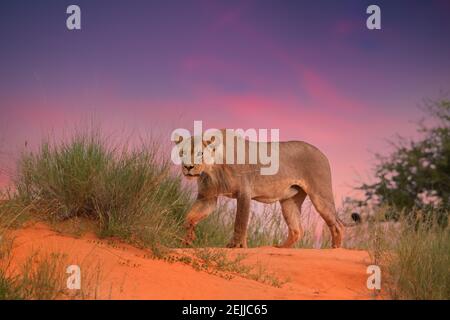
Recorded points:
(197, 154)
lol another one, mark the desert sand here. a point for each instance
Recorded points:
(127, 272)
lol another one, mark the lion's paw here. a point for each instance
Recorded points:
(234, 244)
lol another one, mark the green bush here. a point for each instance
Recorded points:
(414, 255)
(131, 192)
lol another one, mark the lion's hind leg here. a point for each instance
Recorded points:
(326, 208)
(291, 214)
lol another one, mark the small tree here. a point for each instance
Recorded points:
(416, 173)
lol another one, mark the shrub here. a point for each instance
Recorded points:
(131, 192)
(414, 255)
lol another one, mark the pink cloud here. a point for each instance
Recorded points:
(325, 93)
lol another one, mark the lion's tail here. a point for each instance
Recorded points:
(356, 217)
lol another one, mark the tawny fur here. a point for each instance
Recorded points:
(303, 170)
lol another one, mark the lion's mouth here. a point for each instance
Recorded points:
(192, 174)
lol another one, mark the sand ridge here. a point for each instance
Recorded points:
(131, 273)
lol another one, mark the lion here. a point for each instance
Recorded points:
(303, 171)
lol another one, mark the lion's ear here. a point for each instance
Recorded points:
(211, 140)
(212, 136)
(177, 138)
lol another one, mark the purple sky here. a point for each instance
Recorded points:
(309, 68)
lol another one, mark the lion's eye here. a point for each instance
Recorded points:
(199, 154)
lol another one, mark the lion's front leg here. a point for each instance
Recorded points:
(201, 208)
(239, 239)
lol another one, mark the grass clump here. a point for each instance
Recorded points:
(41, 277)
(266, 227)
(130, 192)
(414, 256)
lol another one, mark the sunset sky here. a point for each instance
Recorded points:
(310, 68)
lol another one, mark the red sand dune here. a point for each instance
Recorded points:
(130, 273)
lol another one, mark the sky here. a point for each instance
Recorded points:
(309, 68)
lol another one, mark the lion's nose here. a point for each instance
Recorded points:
(188, 167)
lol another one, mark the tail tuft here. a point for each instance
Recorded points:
(356, 217)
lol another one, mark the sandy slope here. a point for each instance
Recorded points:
(129, 273)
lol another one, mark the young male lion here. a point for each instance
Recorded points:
(303, 170)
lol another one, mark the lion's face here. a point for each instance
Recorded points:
(199, 154)
(192, 165)
(193, 154)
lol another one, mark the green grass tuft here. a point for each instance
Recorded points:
(414, 256)
(131, 192)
